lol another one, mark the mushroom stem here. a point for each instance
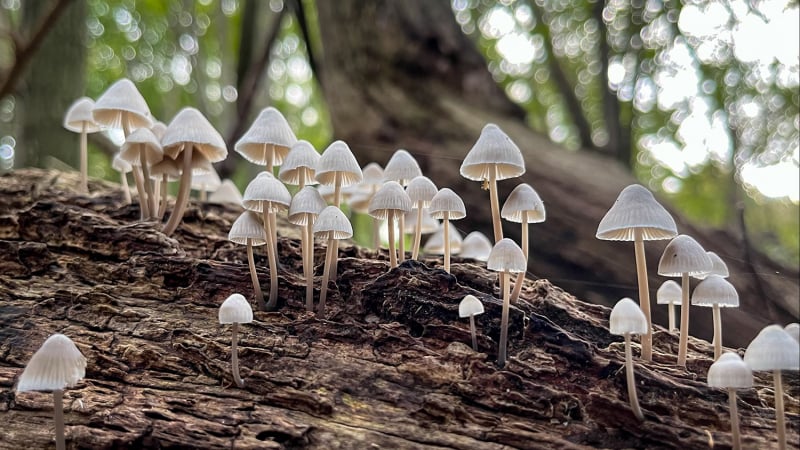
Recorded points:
(273, 225)
(138, 180)
(417, 232)
(632, 397)
(717, 331)
(84, 161)
(156, 198)
(203, 194)
(162, 208)
(326, 275)
(446, 224)
(683, 342)
(401, 234)
(376, 233)
(337, 189)
(734, 413)
(392, 255)
(254, 276)
(126, 190)
(501, 354)
(273, 272)
(308, 264)
(521, 276)
(269, 158)
(235, 355)
(58, 416)
(644, 293)
(472, 332)
(671, 314)
(495, 203)
(780, 421)
(183, 193)
(148, 186)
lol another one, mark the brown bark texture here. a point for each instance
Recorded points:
(389, 366)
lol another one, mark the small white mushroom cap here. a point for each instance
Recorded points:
(333, 220)
(447, 201)
(122, 101)
(269, 132)
(302, 158)
(627, 317)
(235, 309)
(141, 140)
(227, 192)
(159, 128)
(470, 306)
(773, 349)
(715, 290)
(669, 293)
(338, 158)
(57, 364)
(391, 196)
(190, 127)
(265, 191)
(247, 226)
(718, 266)
(794, 330)
(168, 167)
(493, 150)
(208, 181)
(429, 224)
(729, 371)
(402, 167)
(636, 207)
(120, 165)
(79, 117)
(306, 203)
(506, 256)
(476, 246)
(421, 189)
(372, 175)
(523, 199)
(435, 244)
(684, 255)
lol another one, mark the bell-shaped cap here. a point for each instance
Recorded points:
(302, 159)
(227, 192)
(338, 158)
(683, 255)
(122, 105)
(79, 117)
(715, 290)
(429, 224)
(359, 200)
(265, 191)
(208, 181)
(506, 256)
(190, 127)
(470, 306)
(421, 189)
(729, 371)
(391, 196)
(523, 199)
(794, 330)
(269, 133)
(773, 349)
(307, 203)
(141, 141)
(627, 318)
(493, 151)
(159, 128)
(247, 226)
(669, 293)
(235, 309)
(372, 175)
(57, 364)
(168, 167)
(476, 246)
(718, 266)
(402, 167)
(447, 201)
(435, 244)
(634, 208)
(333, 223)
(120, 165)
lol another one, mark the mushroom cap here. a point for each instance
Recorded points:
(265, 191)
(523, 198)
(269, 132)
(227, 192)
(334, 223)
(166, 166)
(122, 101)
(627, 317)
(429, 224)
(208, 181)
(159, 128)
(670, 292)
(306, 203)
(120, 165)
(435, 244)
(773, 349)
(447, 201)
(718, 266)
(79, 117)
(421, 189)
(301, 159)
(372, 175)
(683, 255)
(470, 306)
(57, 364)
(359, 199)
(729, 371)
(636, 207)
(402, 167)
(391, 196)
(493, 150)
(715, 290)
(476, 246)
(235, 309)
(247, 226)
(506, 256)
(141, 140)
(338, 158)
(794, 330)
(190, 127)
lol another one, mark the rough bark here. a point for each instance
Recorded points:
(389, 367)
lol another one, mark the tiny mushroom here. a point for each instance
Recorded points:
(123, 167)
(56, 365)
(143, 150)
(79, 119)
(447, 205)
(669, 294)
(303, 211)
(362, 195)
(716, 292)
(402, 167)
(428, 224)
(227, 193)
(435, 244)
(247, 230)
(206, 182)
(718, 266)
(268, 139)
(300, 165)
(774, 350)
(122, 106)
(339, 168)
(165, 171)
(389, 202)
(729, 372)
(794, 330)
(506, 257)
(627, 319)
(476, 246)
(421, 191)
(333, 225)
(235, 310)
(470, 307)
(524, 206)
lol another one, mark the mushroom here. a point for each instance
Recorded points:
(206, 182)
(79, 119)
(447, 205)
(435, 244)
(56, 365)
(637, 216)
(226, 193)
(390, 201)
(158, 128)
(794, 330)
(300, 165)
(470, 307)
(142, 150)
(627, 319)
(729, 372)
(303, 211)
(402, 167)
(333, 225)
(683, 257)
(247, 230)
(506, 257)
(266, 195)
(235, 310)
(524, 206)
(718, 266)
(123, 168)
(267, 141)
(774, 350)
(669, 294)
(165, 170)
(421, 191)
(339, 168)
(362, 195)
(476, 246)
(189, 132)
(716, 292)
(494, 157)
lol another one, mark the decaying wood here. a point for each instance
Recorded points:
(390, 366)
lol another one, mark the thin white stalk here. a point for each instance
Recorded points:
(269, 153)
(273, 270)
(84, 161)
(780, 419)
(446, 224)
(58, 416)
(254, 276)
(156, 198)
(501, 354)
(644, 293)
(337, 200)
(734, 413)
(631, 381)
(671, 314)
(495, 204)
(401, 233)
(309, 265)
(138, 180)
(392, 254)
(203, 194)
(235, 355)
(329, 258)
(521, 276)
(473, 332)
(148, 185)
(126, 189)
(162, 208)
(183, 192)
(717, 332)
(417, 232)
(683, 342)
